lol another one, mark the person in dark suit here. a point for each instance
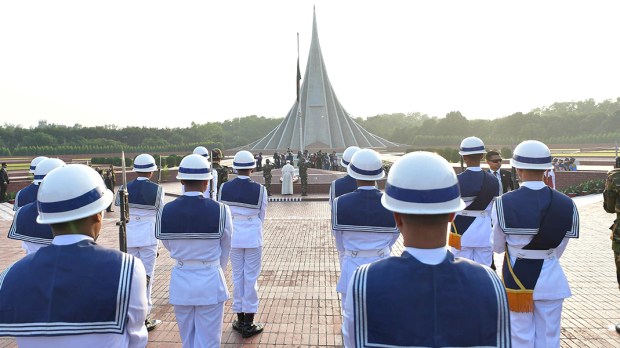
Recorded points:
(494, 160)
(4, 182)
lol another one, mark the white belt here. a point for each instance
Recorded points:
(244, 217)
(368, 253)
(474, 213)
(549, 254)
(197, 264)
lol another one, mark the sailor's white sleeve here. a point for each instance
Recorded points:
(136, 313)
(225, 241)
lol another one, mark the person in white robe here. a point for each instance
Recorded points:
(288, 171)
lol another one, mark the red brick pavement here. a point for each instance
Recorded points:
(299, 303)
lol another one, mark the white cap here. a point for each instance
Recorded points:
(422, 183)
(532, 154)
(71, 193)
(366, 165)
(202, 151)
(347, 155)
(144, 163)
(471, 146)
(34, 162)
(194, 167)
(46, 166)
(244, 160)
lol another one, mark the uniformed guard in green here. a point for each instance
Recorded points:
(611, 204)
(303, 175)
(267, 175)
(222, 171)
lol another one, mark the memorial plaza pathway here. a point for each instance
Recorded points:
(298, 300)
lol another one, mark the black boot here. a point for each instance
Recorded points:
(151, 324)
(250, 328)
(238, 324)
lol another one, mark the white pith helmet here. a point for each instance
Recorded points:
(531, 154)
(347, 155)
(35, 162)
(71, 193)
(471, 146)
(202, 151)
(366, 165)
(144, 163)
(194, 167)
(46, 166)
(422, 183)
(244, 160)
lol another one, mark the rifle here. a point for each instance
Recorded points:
(123, 196)
(462, 167)
(212, 177)
(159, 171)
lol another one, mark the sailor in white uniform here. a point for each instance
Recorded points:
(533, 225)
(341, 186)
(33, 235)
(365, 229)
(95, 297)
(248, 204)
(426, 297)
(470, 235)
(146, 201)
(197, 232)
(204, 152)
(29, 193)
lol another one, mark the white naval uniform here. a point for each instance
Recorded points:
(135, 335)
(360, 242)
(541, 328)
(206, 193)
(197, 285)
(141, 241)
(246, 253)
(477, 241)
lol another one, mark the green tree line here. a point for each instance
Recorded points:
(581, 122)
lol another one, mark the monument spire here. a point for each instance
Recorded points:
(317, 119)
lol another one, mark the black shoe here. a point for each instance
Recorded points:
(238, 324)
(250, 328)
(618, 327)
(151, 324)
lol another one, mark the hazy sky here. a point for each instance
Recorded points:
(168, 63)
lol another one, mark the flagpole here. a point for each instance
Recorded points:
(301, 142)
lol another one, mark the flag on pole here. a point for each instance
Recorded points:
(298, 79)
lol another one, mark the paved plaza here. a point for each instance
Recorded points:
(299, 303)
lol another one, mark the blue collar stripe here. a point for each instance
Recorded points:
(477, 148)
(532, 160)
(71, 204)
(39, 177)
(194, 170)
(144, 166)
(365, 172)
(423, 196)
(246, 164)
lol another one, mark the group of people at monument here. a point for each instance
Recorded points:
(428, 296)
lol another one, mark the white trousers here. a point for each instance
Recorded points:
(148, 256)
(200, 326)
(483, 256)
(246, 266)
(540, 329)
